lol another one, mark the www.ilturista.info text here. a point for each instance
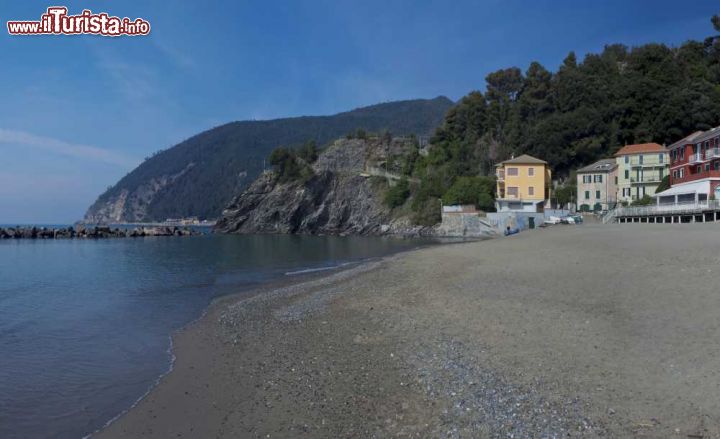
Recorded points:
(56, 22)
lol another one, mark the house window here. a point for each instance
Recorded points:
(682, 172)
(512, 191)
(531, 172)
(641, 159)
(597, 195)
(587, 195)
(531, 191)
(717, 166)
(707, 167)
(512, 171)
(682, 153)
(616, 179)
(699, 169)
(627, 174)
(598, 178)
(627, 159)
(661, 158)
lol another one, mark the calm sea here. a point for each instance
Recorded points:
(85, 324)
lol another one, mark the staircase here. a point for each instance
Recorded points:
(609, 217)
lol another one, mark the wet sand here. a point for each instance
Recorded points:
(580, 331)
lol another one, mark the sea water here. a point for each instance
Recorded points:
(85, 324)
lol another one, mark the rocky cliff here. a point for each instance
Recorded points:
(201, 175)
(341, 197)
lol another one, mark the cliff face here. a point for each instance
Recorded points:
(201, 175)
(132, 206)
(336, 200)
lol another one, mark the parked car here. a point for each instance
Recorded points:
(567, 220)
(552, 220)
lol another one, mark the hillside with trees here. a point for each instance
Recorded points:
(199, 176)
(584, 111)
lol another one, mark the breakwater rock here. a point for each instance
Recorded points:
(95, 232)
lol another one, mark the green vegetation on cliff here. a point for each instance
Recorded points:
(199, 176)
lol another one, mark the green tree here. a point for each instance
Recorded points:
(308, 151)
(565, 194)
(398, 194)
(478, 191)
(664, 184)
(286, 166)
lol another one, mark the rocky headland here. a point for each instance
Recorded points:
(343, 196)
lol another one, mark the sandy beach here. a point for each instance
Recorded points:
(579, 331)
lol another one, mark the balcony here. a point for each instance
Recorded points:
(647, 162)
(647, 179)
(500, 175)
(695, 158)
(712, 154)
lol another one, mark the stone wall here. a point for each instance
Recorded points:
(465, 225)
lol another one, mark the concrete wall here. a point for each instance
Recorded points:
(520, 220)
(465, 225)
(516, 206)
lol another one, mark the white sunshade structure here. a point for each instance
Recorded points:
(685, 193)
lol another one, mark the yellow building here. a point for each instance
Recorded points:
(523, 184)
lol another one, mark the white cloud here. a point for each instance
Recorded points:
(64, 148)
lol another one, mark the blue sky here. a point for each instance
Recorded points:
(79, 112)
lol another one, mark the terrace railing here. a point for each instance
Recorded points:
(713, 153)
(669, 209)
(696, 158)
(647, 161)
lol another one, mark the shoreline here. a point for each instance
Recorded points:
(451, 341)
(294, 279)
(275, 289)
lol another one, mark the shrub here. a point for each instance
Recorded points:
(287, 167)
(644, 201)
(308, 151)
(427, 213)
(398, 194)
(664, 184)
(478, 191)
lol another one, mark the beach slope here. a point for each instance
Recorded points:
(578, 331)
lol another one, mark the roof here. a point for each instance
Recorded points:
(709, 134)
(700, 187)
(604, 165)
(523, 160)
(685, 140)
(640, 148)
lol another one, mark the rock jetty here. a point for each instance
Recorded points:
(95, 232)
